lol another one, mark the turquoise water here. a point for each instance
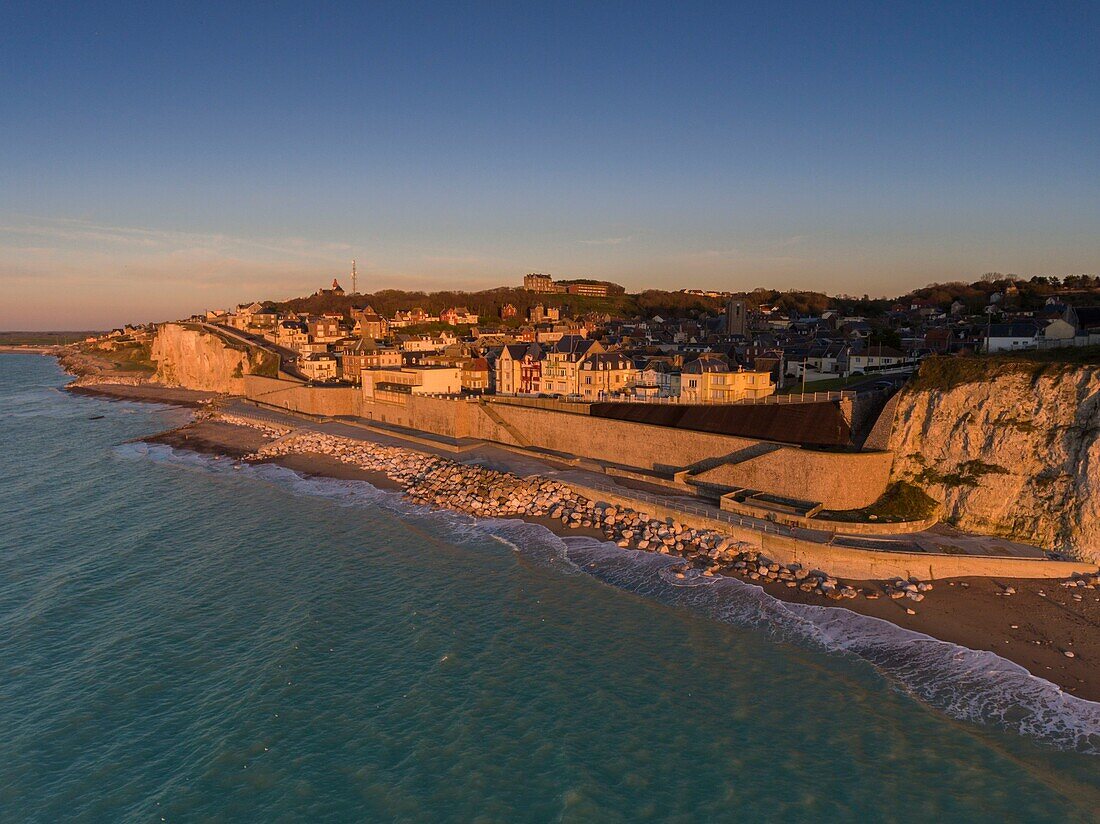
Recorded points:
(184, 640)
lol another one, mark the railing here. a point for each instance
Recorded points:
(713, 513)
(578, 407)
(800, 397)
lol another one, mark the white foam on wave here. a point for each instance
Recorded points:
(972, 685)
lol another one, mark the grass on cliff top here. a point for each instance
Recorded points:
(43, 338)
(133, 357)
(947, 372)
(825, 385)
(900, 502)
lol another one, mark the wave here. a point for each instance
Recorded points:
(972, 685)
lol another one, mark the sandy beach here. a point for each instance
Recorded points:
(1034, 627)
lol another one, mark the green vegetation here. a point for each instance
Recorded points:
(1019, 424)
(264, 363)
(967, 473)
(828, 385)
(946, 373)
(125, 356)
(43, 338)
(900, 502)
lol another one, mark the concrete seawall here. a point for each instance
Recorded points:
(847, 562)
(851, 562)
(838, 480)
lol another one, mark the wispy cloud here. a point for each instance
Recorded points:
(462, 260)
(607, 241)
(90, 235)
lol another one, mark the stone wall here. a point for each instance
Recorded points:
(851, 562)
(838, 480)
(330, 401)
(605, 439)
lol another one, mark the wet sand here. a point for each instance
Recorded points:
(977, 615)
(147, 393)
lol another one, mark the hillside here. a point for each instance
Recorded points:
(488, 303)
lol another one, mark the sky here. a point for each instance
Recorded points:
(160, 159)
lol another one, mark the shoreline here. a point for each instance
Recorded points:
(1033, 627)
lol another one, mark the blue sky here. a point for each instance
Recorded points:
(157, 160)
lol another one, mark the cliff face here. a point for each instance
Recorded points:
(1014, 451)
(198, 360)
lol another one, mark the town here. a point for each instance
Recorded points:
(580, 341)
(831, 417)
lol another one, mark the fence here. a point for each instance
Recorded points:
(581, 406)
(713, 513)
(1064, 343)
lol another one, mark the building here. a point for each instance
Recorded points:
(561, 370)
(709, 379)
(658, 379)
(365, 353)
(590, 290)
(543, 314)
(369, 323)
(426, 343)
(536, 282)
(519, 369)
(475, 375)
(318, 366)
(873, 358)
(393, 385)
(508, 311)
(458, 316)
(412, 318)
(324, 329)
(736, 320)
(605, 374)
(1010, 337)
(1085, 319)
(291, 334)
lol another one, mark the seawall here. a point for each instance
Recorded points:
(838, 480)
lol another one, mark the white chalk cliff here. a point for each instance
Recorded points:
(1014, 452)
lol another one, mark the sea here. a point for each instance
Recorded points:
(186, 639)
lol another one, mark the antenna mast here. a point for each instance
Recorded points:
(354, 280)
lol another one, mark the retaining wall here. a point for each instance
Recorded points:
(850, 562)
(838, 480)
(330, 401)
(729, 504)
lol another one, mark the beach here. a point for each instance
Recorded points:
(1035, 626)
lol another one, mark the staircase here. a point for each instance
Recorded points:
(495, 417)
(691, 474)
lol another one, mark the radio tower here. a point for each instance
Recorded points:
(354, 280)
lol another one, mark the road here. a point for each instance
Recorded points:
(287, 357)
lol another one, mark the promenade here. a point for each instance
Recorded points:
(940, 539)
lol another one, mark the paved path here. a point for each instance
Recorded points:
(938, 539)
